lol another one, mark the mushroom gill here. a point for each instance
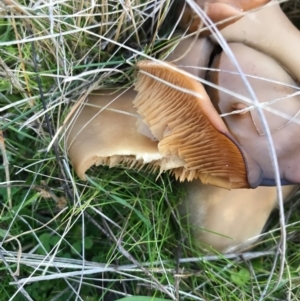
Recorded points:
(217, 11)
(182, 118)
(278, 91)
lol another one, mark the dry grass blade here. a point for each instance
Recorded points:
(6, 168)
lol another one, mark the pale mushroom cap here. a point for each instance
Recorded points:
(188, 127)
(246, 127)
(271, 32)
(228, 221)
(105, 131)
(217, 11)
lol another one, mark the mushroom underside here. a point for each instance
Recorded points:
(190, 139)
(181, 117)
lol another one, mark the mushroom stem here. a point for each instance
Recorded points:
(228, 221)
(271, 32)
(192, 55)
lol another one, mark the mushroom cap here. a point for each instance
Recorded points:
(269, 30)
(104, 131)
(246, 127)
(188, 127)
(228, 221)
(217, 11)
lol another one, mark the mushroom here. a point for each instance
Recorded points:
(217, 11)
(227, 221)
(193, 142)
(188, 127)
(274, 87)
(238, 214)
(269, 30)
(232, 220)
(126, 141)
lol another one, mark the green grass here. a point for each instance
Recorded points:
(119, 233)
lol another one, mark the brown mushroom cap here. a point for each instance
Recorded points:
(246, 127)
(188, 127)
(105, 132)
(228, 221)
(217, 10)
(271, 32)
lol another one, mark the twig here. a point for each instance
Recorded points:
(63, 177)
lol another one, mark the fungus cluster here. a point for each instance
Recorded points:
(171, 123)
